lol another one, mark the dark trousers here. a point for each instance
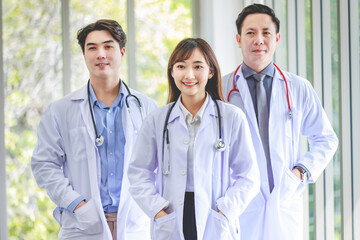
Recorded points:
(189, 222)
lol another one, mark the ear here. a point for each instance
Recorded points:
(122, 51)
(238, 40)
(277, 38)
(211, 74)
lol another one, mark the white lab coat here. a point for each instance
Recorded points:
(66, 163)
(279, 215)
(225, 181)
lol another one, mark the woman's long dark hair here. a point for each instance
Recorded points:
(182, 52)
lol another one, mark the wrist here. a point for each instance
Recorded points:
(303, 174)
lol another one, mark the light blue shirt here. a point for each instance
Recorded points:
(109, 125)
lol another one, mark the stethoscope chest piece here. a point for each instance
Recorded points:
(220, 145)
(99, 141)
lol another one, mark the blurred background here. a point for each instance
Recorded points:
(42, 61)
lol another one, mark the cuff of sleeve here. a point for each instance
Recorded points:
(74, 203)
(164, 206)
(303, 167)
(220, 205)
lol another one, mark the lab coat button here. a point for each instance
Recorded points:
(183, 172)
(180, 202)
(110, 153)
(186, 141)
(110, 131)
(111, 174)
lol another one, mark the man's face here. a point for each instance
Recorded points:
(258, 40)
(102, 55)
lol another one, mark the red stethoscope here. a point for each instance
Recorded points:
(234, 89)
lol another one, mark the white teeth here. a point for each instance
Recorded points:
(189, 84)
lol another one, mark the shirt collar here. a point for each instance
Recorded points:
(117, 102)
(268, 71)
(199, 114)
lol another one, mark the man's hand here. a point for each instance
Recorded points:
(296, 172)
(82, 203)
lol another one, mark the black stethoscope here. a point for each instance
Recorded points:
(219, 144)
(234, 89)
(100, 139)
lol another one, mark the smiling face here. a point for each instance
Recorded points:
(258, 40)
(102, 56)
(191, 76)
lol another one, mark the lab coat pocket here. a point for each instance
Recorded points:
(217, 227)
(88, 218)
(291, 186)
(166, 227)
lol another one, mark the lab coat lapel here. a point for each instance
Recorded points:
(175, 114)
(248, 103)
(91, 149)
(209, 111)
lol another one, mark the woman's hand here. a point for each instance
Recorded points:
(160, 214)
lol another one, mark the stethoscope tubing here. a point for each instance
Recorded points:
(235, 89)
(99, 139)
(219, 144)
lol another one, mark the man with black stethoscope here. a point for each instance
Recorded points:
(280, 107)
(85, 141)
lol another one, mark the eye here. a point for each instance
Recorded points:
(267, 33)
(108, 46)
(180, 66)
(198, 67)
(249, 33)
(91, 48)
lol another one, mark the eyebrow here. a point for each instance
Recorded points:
(251, 28)
(108, 41)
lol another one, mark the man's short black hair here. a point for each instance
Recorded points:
(113, 27)
(256, 8)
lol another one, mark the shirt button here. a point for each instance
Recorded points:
(111, 174)
(109, 111)
(186, 141)
(180, 202)
(110, 153)
(183, 172)
(110, 131)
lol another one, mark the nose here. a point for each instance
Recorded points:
(189, 73)
(259, 39)
(101, 54)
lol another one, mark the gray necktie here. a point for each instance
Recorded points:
(263, 122)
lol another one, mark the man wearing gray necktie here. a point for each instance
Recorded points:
(263, 122)
(280, 108)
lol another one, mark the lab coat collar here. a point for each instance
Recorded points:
(241, 84)
(178, 113)
(80, 94)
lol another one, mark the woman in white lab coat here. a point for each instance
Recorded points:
(193, 170)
